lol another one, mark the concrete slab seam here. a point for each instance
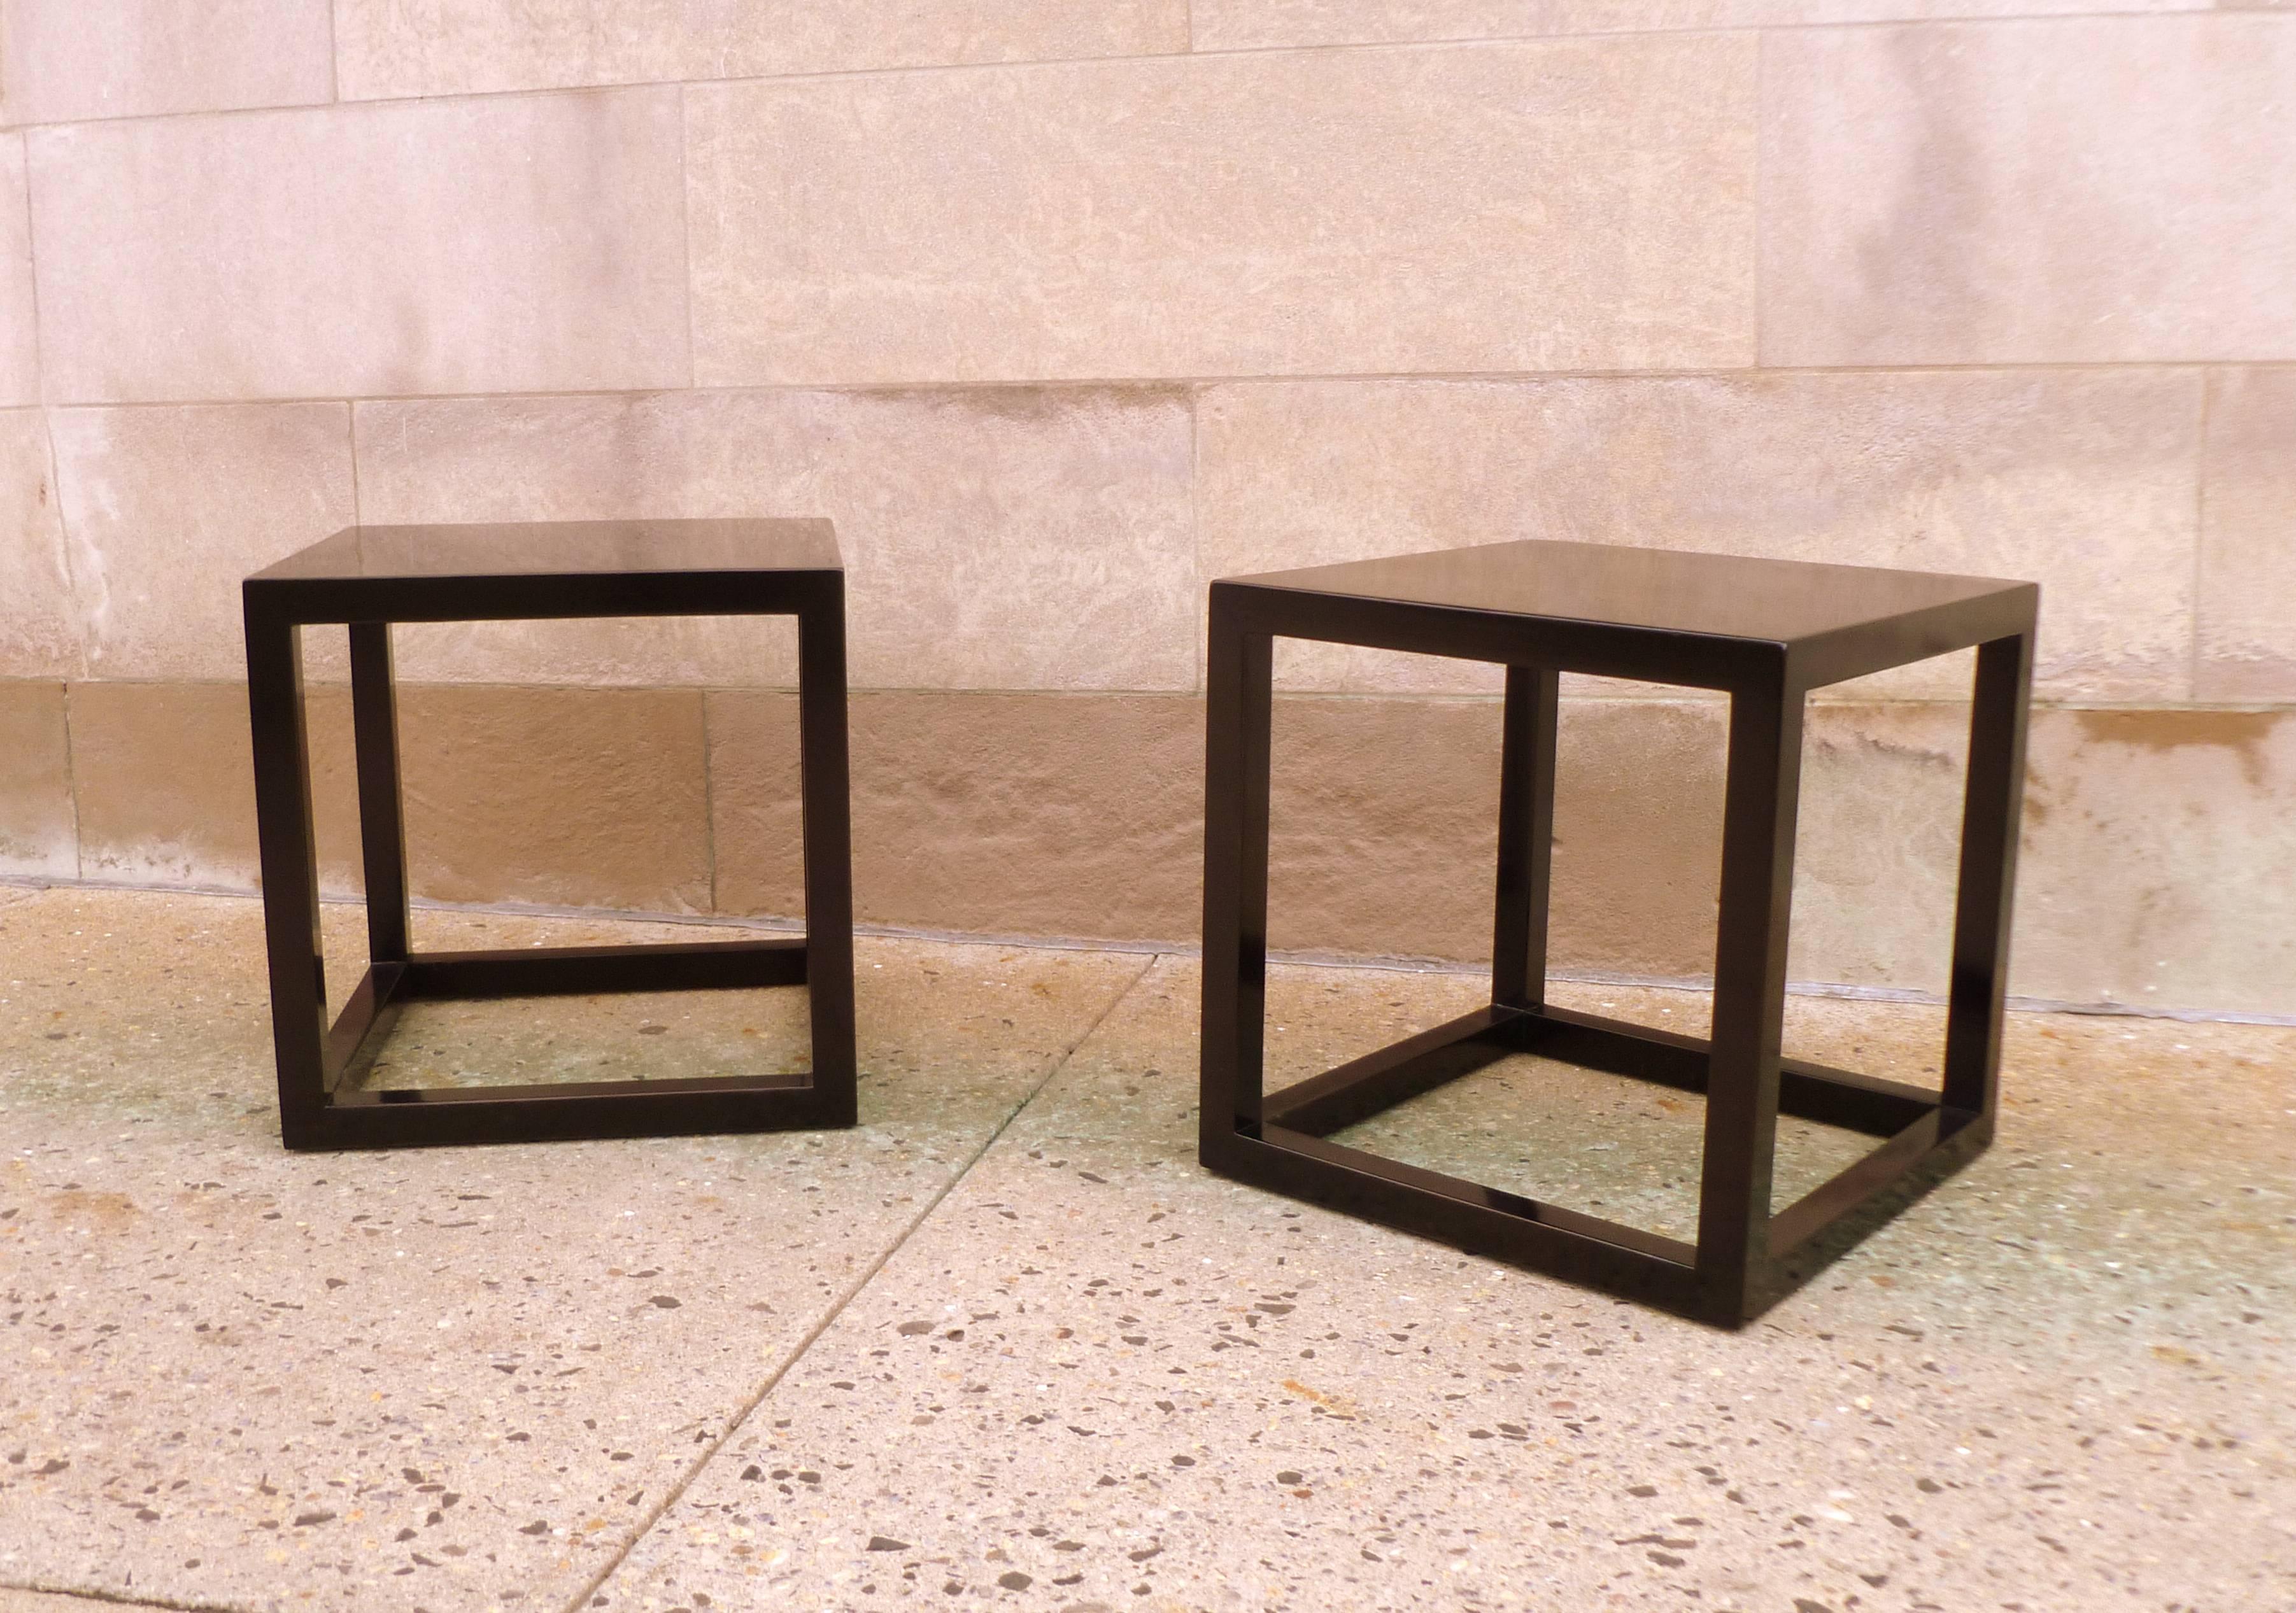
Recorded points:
(670, 1497)
(105, 1598)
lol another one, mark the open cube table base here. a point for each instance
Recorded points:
(1287, 1151)
(1767, 633)
(392, 1117)
(369, 577)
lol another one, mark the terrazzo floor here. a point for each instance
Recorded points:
(1005, 1345)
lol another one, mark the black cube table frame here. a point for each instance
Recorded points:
(1765, 632)
(370, 577)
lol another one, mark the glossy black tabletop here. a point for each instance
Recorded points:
(1663, 590)
(562, 549)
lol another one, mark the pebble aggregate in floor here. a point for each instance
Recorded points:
(1007, 1346)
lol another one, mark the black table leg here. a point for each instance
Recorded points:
(1239, 678)
(822, 747)
(1760, 801)
(382, 829)
(1989, 827)
(1525, 836)
(289, 866)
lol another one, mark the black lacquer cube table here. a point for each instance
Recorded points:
(369, 577)
(1765, 632)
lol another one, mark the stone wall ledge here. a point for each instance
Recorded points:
(2153, 874)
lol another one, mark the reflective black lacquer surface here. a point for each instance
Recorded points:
(562, 549)
(371, 577)
(522, 572)
(1720, 595)
(1702, 619)
(1765, 631)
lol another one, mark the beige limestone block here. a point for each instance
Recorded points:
(19, 339)
(164, 779)
(556, 797)
(1011, 537)
(658, 651)
(2149, 861)
(1081, 815)
(1259, 24)
(1385, 826)
(39, 629)
(62, 61)
(1509, 207)
(2248, 539)
(1027, 814)
(2152, 874)
(37, 835)
(1382, 827)
(1878, 846)
(1637, 860)
(575, 798)
(168, 509)
(2082, 480)
(2157, 852)
(165, 782)
(444, 47)
(492, 244)
(2063, 192)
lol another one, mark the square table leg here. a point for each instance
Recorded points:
(290, 868)
(1759, 807)
(1239, 693)
(825, 766)
(382, 827)
(1989, 824)
(1525, 836)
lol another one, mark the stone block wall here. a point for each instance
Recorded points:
(1059, 309)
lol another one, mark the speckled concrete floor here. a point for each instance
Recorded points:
(1004, 1344)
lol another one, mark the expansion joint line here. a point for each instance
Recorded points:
(741, 1417)
(114, 1599)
